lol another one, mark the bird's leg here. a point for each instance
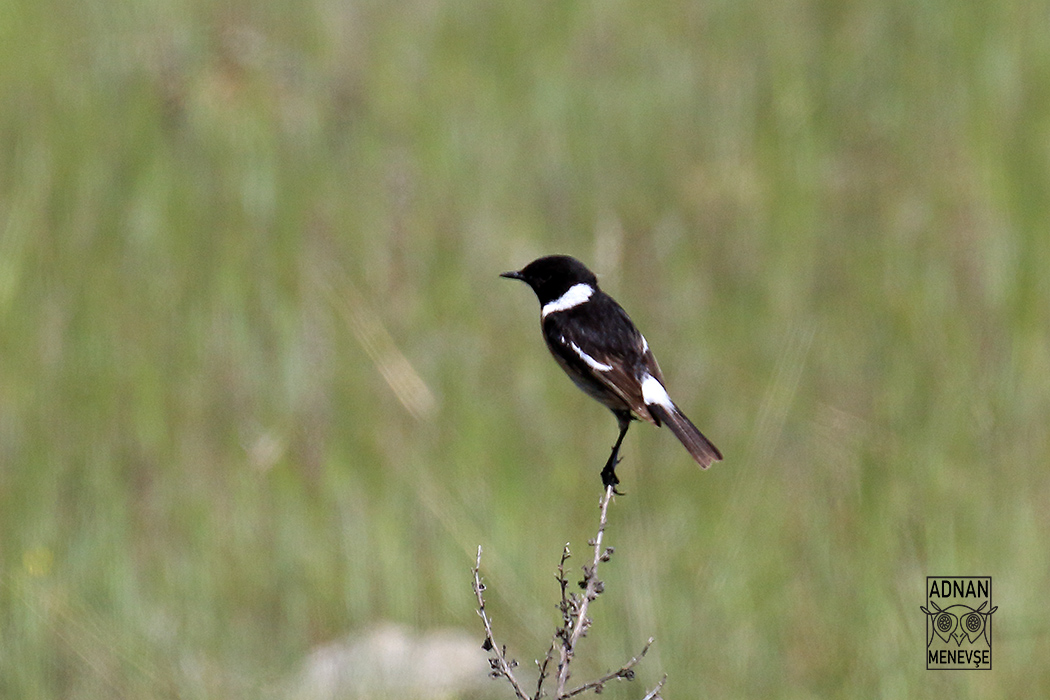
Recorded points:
(609, 472)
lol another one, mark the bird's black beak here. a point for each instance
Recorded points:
(513, 274)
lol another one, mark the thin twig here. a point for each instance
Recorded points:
(592, 588)
(498, 660)
(563, 606)
(574, 626)
(654, 694)
(626, 673)
(543, 668)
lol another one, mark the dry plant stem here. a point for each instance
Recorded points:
(500, 665)
(574, 626)
(654, 694)
(564, 607)
(625, 673)
(592, 587)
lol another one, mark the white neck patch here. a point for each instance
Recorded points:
(573, 296)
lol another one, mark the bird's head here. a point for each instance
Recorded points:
(552, 276)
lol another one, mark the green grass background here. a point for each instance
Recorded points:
(261, 386)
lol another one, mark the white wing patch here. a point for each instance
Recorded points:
(645, 345)
(593, 363)
(653, 392)
(573, 296)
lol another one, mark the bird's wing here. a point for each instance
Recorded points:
(602, 343)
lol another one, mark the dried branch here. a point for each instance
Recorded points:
(578, 623)
(654, 694)
(501, 667)
(563, 606)
(625, 672)
(574, 626)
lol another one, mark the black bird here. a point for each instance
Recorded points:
(595, 342)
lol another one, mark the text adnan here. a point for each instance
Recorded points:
(958, 588)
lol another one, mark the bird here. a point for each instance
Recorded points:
(596, 343)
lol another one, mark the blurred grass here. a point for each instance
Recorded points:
(260, 384)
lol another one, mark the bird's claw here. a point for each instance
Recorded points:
(609, 477)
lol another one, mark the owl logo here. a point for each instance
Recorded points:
(959, 622)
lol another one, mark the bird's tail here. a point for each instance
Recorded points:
(702, 450)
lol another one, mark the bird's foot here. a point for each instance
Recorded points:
(609, 474)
